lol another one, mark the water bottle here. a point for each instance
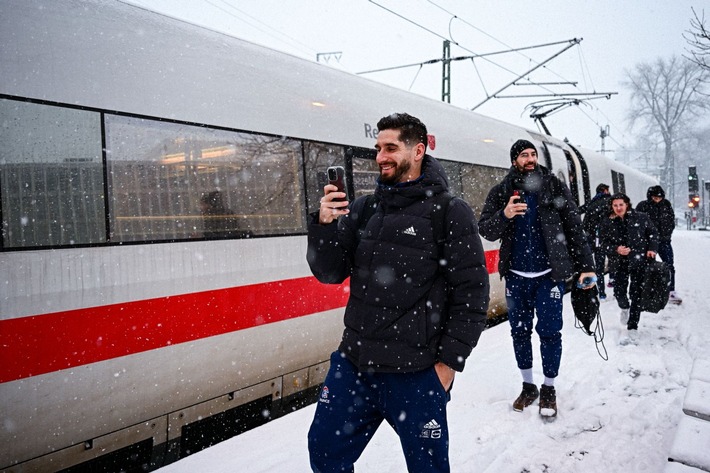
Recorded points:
(587, 281)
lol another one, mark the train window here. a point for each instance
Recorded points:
(319, 157)
(51, 176)
(477, 181)
(171, 181)
(618, 184)
(453, 172)
(365, 173)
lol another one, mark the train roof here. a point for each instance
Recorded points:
(109, 55)
(113, 56)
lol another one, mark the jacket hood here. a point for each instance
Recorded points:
(432, 181)
(655, 191)
(434, 172)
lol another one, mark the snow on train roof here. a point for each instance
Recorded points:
(118, 57)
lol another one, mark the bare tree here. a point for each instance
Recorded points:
(698, 37)
(666, 97)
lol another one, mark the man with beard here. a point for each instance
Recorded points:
(417, 305)
(542, 245)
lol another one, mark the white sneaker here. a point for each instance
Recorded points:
(629, 338)
(624, 316)
(673, 298)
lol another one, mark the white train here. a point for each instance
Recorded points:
(155, 179)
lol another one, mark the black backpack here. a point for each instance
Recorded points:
(654, 291)
(585, 305)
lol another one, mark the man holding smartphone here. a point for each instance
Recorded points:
(417, 306)
(536, 259)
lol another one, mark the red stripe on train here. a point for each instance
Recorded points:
(40, 344)
(35, 345)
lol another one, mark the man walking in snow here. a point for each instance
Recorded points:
(417, 305)
(660, 211)
(629, 239)
(595, 212)
(542, 245)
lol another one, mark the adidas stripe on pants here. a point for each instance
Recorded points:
(541, 297)
(352, 405)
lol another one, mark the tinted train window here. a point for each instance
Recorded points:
(477, 181)
(319, 157)
(51, 176)
(453, 172)
(365, 173)
(170, 181)
(618, 184)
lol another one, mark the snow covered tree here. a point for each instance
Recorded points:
(698, 37)
(667, 97)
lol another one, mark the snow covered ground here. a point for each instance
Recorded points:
(618, 415)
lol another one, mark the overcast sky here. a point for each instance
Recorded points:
(616, 36)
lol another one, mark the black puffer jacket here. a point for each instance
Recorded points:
(567, 248)
(405, 311)
(661, 214)
(636, 231)
(595, 212)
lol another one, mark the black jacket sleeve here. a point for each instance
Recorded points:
(464, 266)
(493, 223)
(577, 243)
(331, 247)
(650, 232)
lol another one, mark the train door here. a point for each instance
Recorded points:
(562, 165)
(582, 172)
(578, 179)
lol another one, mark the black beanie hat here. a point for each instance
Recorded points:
(655, 191)
(518, 148)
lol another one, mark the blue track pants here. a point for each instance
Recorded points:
(526, 298)
(352, 405)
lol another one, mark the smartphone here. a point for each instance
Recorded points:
(519, 199)
(336, 176)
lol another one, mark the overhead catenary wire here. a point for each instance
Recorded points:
(476, 55)
(583, 65)
(227, 7)
(511, 48)
(461, 58)
(271, 31)
(439, 36)
(409, 21)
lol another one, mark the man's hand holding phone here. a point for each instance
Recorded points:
(335, 199)
(516, 206)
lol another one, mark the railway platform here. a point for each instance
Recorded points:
(689, 452)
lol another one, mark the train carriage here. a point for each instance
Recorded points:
(155, 179)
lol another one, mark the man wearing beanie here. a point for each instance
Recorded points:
(596, 211)
(536, 260)
(660, 210)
